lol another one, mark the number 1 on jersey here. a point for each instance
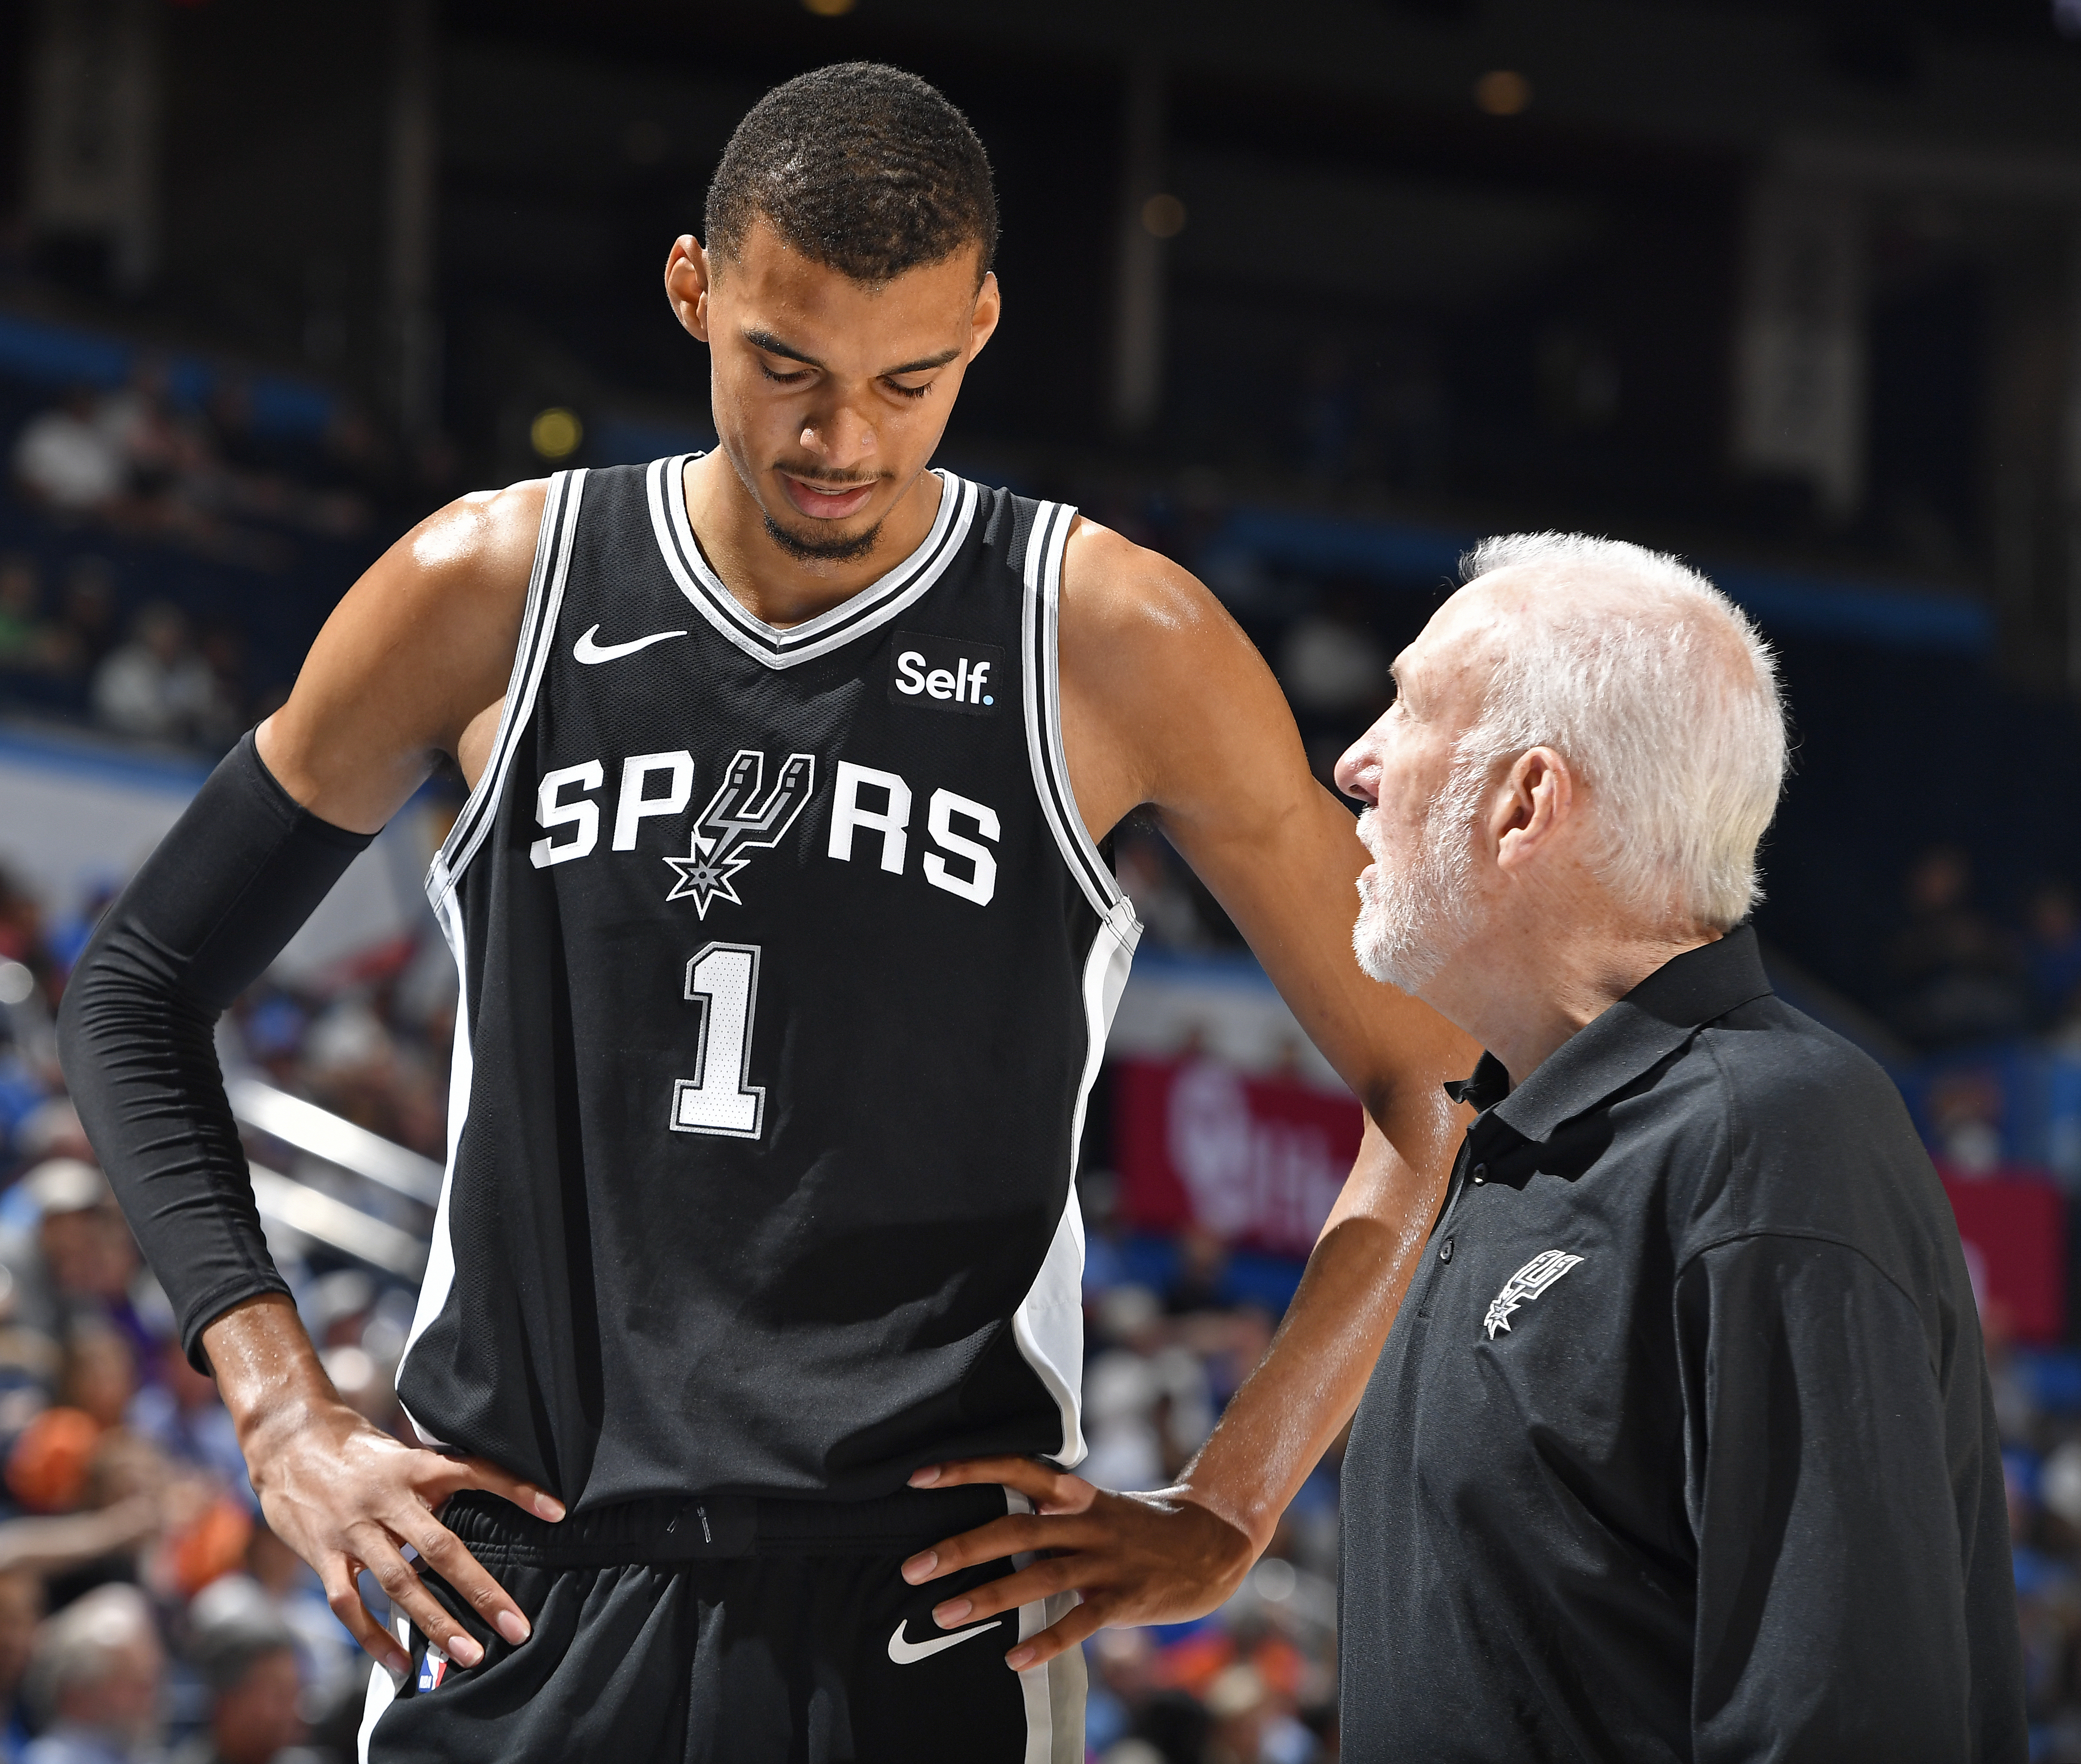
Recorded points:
(723, 980)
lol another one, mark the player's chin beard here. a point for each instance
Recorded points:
(1414, 915)
(847, 550)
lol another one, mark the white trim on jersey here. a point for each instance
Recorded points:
(874, 607)
(382, 1691)
(1054, 1693)
(1042, 672)
(439, 1280)
(538, 631)
(1048, 1325)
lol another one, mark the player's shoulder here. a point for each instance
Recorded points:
(1132, 603)
(458, 577)
(479, 536)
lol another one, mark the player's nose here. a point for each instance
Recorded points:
(841, 438)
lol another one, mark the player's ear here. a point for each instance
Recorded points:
(989, 308)
(687, 281)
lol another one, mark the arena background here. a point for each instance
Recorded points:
(1307, 296)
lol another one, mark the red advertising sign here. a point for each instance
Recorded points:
(1257, 1161)
(2013, 1230)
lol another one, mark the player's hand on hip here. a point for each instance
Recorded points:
(345, 1497)
(1133, 1558)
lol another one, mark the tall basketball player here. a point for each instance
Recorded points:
(787, 953)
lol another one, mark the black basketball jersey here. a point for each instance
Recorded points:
(786, 964)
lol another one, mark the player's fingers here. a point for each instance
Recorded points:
(454, 1473)
(1043, 1579)
(1057, 1638)
(380, 1556)
(343, 1594)
(1050, 1489)
(1011, 1536)
(446, 1554)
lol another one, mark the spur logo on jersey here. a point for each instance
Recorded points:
(731, 825)
(1533, 1278)
(945, 673)
(871, 821)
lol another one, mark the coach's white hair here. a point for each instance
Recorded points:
(1656, 688)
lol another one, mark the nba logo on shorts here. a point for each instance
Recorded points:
(433, 1668)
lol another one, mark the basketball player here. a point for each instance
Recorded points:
(787, 952)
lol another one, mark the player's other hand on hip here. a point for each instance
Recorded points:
(1152, 1558)
(346, 1496)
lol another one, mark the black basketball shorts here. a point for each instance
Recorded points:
(730, 1632)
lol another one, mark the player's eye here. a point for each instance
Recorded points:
(908, 392)
(794, 379)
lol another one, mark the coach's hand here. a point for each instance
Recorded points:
(1151, 1558)
(346, 1496)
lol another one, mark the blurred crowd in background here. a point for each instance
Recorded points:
(146, 1610)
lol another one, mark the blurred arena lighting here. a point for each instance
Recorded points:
(1503, 92)
(1164, 216)
(1273, 1580)
(554, 433)
(829, 9)
(16, 983)
(2067, 17)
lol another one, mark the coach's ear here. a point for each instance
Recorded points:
(687, 282)
(1532, 809)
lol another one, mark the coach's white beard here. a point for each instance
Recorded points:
(1414, 914)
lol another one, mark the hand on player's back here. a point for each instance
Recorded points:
(346, 1496)
(1152, 1558)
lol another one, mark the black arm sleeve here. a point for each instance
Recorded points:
(228, 887)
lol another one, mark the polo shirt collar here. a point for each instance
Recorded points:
(1651, 1023)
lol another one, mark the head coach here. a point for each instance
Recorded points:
(1681, 1444)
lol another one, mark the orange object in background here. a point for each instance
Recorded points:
(211, 1547)
(47, 1469)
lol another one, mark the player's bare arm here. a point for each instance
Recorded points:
(412, 666)
(1167, 703)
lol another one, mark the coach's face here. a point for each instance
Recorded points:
(1418, 902)
(829, 395)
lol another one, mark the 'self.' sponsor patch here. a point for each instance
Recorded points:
(947, 673)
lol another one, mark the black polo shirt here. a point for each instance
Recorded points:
(1681, 1446)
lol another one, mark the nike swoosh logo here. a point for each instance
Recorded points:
(906, 1653)
(591, 653)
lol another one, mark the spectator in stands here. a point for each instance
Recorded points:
(1956, 979)
(335, 1669)
(1334, 673)
(21, 1610)
(29, 643)
(68, 462)
(1162, 902)
(87, 615)
(96, 1675)
(2052, 954)
(158, 448)
(248, 1657)
(159, 686)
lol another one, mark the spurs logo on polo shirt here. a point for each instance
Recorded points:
(1533, 1278)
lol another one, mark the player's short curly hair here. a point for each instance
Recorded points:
(862, 167)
